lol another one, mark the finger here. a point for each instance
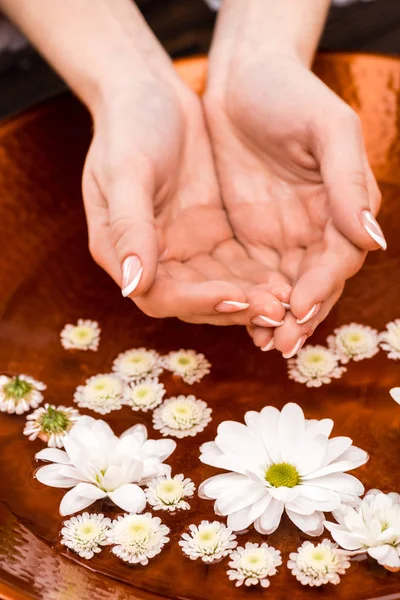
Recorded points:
(262, 338)
(343, 161)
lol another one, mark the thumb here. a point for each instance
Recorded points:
(354, 196)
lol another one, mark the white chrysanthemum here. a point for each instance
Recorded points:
(85, 534)
(137, 364)
(314, 366)
(101, 393)
(20, 393)
(354, 342)
(390, 339)
(51, 424)
(253, 564)
(137, 538)
(169, 493)
(144, 395)
(208, 541)
(280, 461)
(83, 336)
(187, 364)
(318, 564)
(372, 527)
(182, 416)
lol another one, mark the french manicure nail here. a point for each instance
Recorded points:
(296, 348)
(311, 313)
(269, 346)
(261, 320)
(285, 305)
(131, 273)
(373, 229)
(229, 306)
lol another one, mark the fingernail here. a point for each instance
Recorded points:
(311, 313)
(285, 305)
(262, 321)
(229, 306)
(269, 346)
(373, 229)
(131, 273)
(296, 348)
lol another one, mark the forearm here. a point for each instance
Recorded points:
(95, 45)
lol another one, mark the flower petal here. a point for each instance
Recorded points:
(53, 455)
(345, 539)
(395, 393)
(236, 439)
(311, 524)
(311, 454)
(291, 427)
(162, 449)
(212, 487)
(241, 519)
(385, 555)
(269, 520)
(50, 475)
(269, 432)
(315, 427)
(81, 496)
(138, 431)
(234, 498)
(343, 483)
(129, 497)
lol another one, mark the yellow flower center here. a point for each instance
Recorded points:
(282, 475)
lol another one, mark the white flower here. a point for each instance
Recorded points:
(101, 393)
(83, 336)
(97, 464)
(318, 564)
(390, 339)
(169, 493)
(51, 424)
(253, 564)
(85, 534)
(279, 461)
(208, 541)
(187, 364)
(144, 395)
(354, 342)
(138, 537)
(395, 393)
(373, 527)
(137, 364)
(314, 366)
(182, 416)
(20, 393)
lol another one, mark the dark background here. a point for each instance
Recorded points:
(185, 27)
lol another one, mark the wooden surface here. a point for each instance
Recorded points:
(47, 278)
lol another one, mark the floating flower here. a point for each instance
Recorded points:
(354, 342)
(395, 393)
(169, 493)
(315, 365)
(101, 393)
(253, 564)
(144, 395)
(20, 393)
(83, 336)
(138, 537)
(187, 364)
(51, 424)
(85, 534)
(318, 564)
(97, 464)
(137, 364)
(279, 461)
(182, 416)
(373, 526)
(390, 339)
(208, 541)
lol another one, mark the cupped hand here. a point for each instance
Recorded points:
(296, 183)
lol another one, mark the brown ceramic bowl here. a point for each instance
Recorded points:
(47, 278)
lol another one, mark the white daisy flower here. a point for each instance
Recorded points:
(182, 416)
(51, 424)
(253, 564)
(137, 538)
(372, 527)
(280, 461)
(390, 339)
(318, 564)
(101, 393)
(208, 541)
(314, 366)
(169, 493)
(354, 342)
(187, 364)
(144, 395)
(85, 534)
(137, 364)
(20, 393)
(85, 335)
